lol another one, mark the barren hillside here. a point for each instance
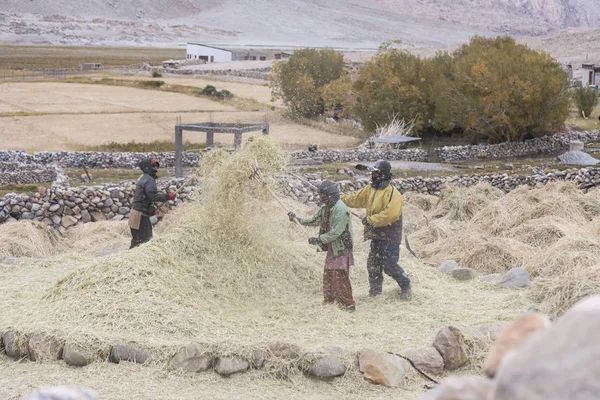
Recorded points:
(341, 23)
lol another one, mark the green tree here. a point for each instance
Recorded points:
(392, 85)
(503, 91)
(586, 99)
(299, 81)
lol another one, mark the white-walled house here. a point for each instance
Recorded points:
(590, 74)
(197, 51)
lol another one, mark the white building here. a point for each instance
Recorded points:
(590, 74)
(197, 51)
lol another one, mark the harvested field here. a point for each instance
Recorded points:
(551, 231)
(75, 116)
(232, 272)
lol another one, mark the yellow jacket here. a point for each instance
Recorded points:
(384, 211)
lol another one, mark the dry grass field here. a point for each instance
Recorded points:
(18, 57)
(37, 116)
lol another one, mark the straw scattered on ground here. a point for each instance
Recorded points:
(551, 231)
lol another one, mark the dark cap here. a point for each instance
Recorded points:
(327, 188)
(383, 167)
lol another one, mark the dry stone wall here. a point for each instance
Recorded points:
(96, 159)
(305, 190)
(63, 208)
(539, 146)
(14, 172)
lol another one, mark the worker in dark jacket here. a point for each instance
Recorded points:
(146, 194)
(383, 226)
(335, 237)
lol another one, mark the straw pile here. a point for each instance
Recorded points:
(551, 231)
(27, 239)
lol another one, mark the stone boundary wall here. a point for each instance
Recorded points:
(304, 192)
(63, 208)
(12, 172)
(538, 146)
(96, 159)
(256, 73)
(362, 155)
(542, 145)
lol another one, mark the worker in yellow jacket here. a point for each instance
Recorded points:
(383, 226)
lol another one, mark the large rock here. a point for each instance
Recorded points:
(577, 158)
(125, 352)
(85, 216)
(327, 367)
(44, 348)
(68, 221)
(258, 358)
(559, 363)
(284, 350)
(97, 216)
(460, 388)
(230, 365)
(382, 368)
(193, 358)
(463, 274)
(61, 393)
(448, 266)
(515, 278)
(513, 336)
(11, 346)
(450, 342)
(76, 356)
(427, 359)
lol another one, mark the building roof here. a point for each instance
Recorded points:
(212, 47)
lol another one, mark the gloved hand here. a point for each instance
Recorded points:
(172, 196)
(365, 221)
(314, 241)
(292, 216)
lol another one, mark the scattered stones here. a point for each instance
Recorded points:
(382, 368)
(448, 266)
(125, 352)
(427, 359)
(460, 388)
(76, 356)
(515, 278)
(463, 274)
(560, 362)
(230, 365)
(450, 342)
(44, 348)
(283, 350)
(513, 336)
(327, 367)
(11, 346)
(193, 358)
(61, 393)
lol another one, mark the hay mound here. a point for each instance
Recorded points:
(424, 202)
(224, 249)
(86, 238)
(27, 239)
(457, 204)
(552, 232)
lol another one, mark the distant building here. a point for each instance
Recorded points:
(282, 55)
(249, 56)
(590, 74)
(197, 51)
(90, 66)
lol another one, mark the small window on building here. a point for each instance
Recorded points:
(253, 58)
(205, 58)
(263, 58)
(212, 58)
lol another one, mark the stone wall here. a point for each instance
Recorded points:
(540, 146)
(255, 73)
(15, 172)
(361, 155)
(64, 208)
(96, 159)
(304, 192)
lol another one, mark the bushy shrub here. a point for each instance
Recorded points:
(586, 99)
